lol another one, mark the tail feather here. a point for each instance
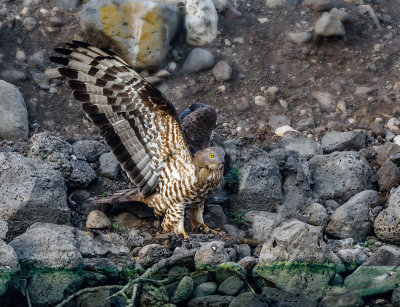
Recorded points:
(123, 196)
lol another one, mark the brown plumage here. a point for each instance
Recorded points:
(143, 131)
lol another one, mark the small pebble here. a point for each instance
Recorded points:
(260, 101)
(29, 23)
(280, 131)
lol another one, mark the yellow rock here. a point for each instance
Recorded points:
(140, 31)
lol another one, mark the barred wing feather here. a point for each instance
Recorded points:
(135, 119)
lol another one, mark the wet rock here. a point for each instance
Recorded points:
(119, 22)
(222, 71)
(277, 4)
(211, 300)
(210, 254)
(352, 258)
(300, 38)
(208, 288)
(247, 299)
(97, 220)
(89, 149)
(8, 265)
(342, 298)
(214, 216)
(260, 186)
(49, 288)
(340, 175)
(200, 22)
(197, 60)
(341, 141)
(14, 116)
(184, 290)
(153, 296)
(379, 274)
(305, 147)
(31, 192)
(152, 253)
(262, 223)
(228, 269)
(387, 223)
(275, 296)
(351, 220)
(328, 26)
(248, 263)
(109, 166)
(388, 176)
(231, 286)
(59, 154)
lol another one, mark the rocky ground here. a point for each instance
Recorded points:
(307, 94)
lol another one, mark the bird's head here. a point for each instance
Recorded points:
(212, 158)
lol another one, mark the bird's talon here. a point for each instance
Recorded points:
(206, 229)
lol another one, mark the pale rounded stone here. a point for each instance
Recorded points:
(201, 22)
(280, 131)
(97, 220)
(260, 101)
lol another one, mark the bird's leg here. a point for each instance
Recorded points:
(174, 220)
(193, 224)
(198, 215)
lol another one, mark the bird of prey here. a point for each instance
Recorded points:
(144, 132)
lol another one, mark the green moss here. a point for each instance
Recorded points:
(294, 267)
(153, 296)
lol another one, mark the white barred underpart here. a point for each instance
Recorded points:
(141, 128)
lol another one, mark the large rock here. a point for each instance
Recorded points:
(351, 220)
(31, 191)
(340, 175)
(296, 259)
(276, 297)
(3, 229)
(60, 154)
(320, 5)
(305, 147)
(91, 150)
(288, 242)
(388, 176)
(340, 141)
(139, 30)
(247, 299)
(342, 298)
(262, 223)
(201, 22)
(212, 253)
(260, 186)
(328, 26)
(211, 301)
(8, 265)
(387, 223)
(379, 274)
(63, 247)
(13, 115)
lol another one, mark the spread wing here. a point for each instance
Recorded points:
(135, 119)
(198, 121)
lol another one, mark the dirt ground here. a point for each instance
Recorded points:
(266, 58)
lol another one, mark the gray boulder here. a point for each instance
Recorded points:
(351, 220)
(340, 141)
(352, 257)
(314, 214)
(3, 229)
(396, 297)
(109, 166)
(262, 223)
(214, 216)
(328, 26)
(260, 186)
(231, 285)
(211, 301)
(387, 223)
(388, 176)
(31, 192)
(91, 150)
(305, 147)
(207, 288)
(247, 299)
(59, 154)
(340, 175)
(13, 116)
(211, 254)
(278, 4)
(342, 298)
(197, 60)
(222, 71)
(8, 265)
(278, 297)
(153, 253)
(287, 244)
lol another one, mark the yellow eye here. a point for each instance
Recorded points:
(212, 155)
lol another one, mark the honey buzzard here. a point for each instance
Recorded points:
(144, 132)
